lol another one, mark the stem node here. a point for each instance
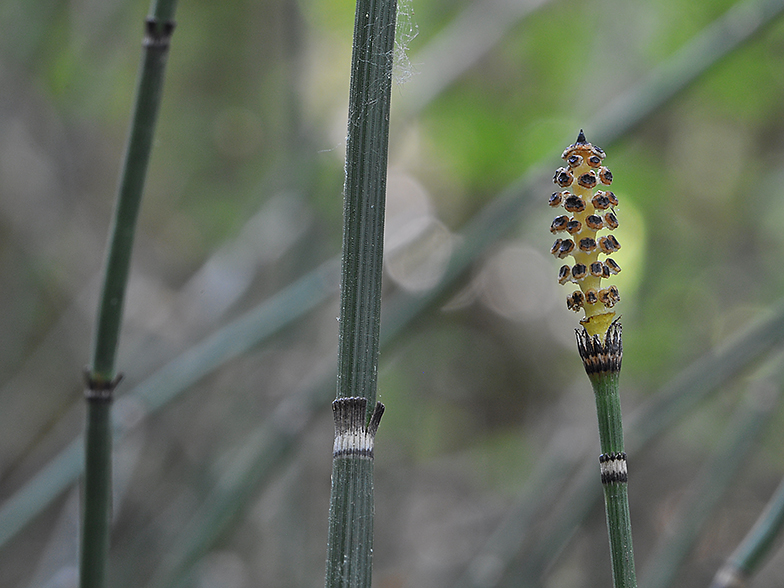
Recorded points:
(98, 388)
(601, 356)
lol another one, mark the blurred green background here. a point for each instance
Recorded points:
(244, 197)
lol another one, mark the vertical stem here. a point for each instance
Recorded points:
(356, 413)
(350, 547)
(101, 378)
(619, 528)
(137, 155)
(364, 203)
(97, 494)
(602, 361)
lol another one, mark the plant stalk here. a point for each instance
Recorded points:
(364, 200)
(705, 493)
(101, 377)
(356, 413)
(495, 221)
(755, 547)
(602, 361)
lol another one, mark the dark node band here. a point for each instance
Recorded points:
(353, 437)
(613, 468)
(99, 389)
(601, 356)
(158, 34)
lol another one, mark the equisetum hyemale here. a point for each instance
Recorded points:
(585, 233)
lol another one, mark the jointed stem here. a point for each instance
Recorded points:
(602, 361)
(134, 171)
(350, 536)
(101, 378)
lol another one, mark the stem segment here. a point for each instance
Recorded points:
(97, 485)
(602, 361)
(350, 543)
(364, 204)
(350, 553)
(101, 378)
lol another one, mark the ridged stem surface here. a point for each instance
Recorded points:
(602, 361)
(101, 376)
(350, 536)
(666, 81)
(616, 494)
(364, 198)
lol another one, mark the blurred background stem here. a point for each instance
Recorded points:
(754, 411)
(756, 546)
(101, 377)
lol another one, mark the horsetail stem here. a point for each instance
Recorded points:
(356, 412)
(100, 376)
(599, 338)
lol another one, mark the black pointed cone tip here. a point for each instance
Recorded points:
(581, 138)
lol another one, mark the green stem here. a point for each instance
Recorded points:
(159, 28)
(705, 493)
(669, 405)
(350, 542)
(101, 376)
(364, 203)
(608, 411)
(756, 546)
(744, 21)
(97, 494)
(487, 227)
(602, 361)
(350, 537)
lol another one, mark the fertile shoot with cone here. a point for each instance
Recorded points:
(586, 232)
